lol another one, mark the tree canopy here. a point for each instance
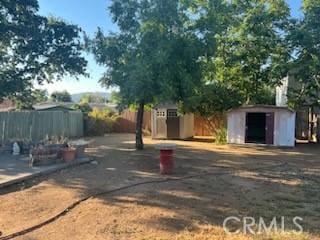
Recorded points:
(27, 100)
(154, 55)
(208, 56)
(252, 53)
(92, 98)
(61, 96)
(304, 39)
(35, 48)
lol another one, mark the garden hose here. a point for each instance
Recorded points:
(76, 203)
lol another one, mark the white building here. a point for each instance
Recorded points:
(272, 125)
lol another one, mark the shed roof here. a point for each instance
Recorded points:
(271, 107)
(167, 106)
(49, 106)
(68, 106)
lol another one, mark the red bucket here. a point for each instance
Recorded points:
(166, 161)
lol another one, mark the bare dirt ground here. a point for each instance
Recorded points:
(239, 181)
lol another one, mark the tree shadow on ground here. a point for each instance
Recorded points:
(253, 181)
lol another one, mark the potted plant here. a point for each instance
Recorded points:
(41, 155)
(69, 154)
(80, 146)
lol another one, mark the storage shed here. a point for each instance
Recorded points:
(259, 124)
(166, 123)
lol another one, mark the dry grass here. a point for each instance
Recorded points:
(244, 181)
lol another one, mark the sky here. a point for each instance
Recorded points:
(89, 15)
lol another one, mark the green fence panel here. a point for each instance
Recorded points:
(33, 125)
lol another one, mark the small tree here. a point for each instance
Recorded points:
(211, 102)
(153, 57)
(214, 99)
(62, 96)
(27, 100)
(40, 95)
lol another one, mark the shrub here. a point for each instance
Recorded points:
(99, 122)
(83, 107)
(221, 136)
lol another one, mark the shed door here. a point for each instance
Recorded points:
(269, 128)
(256, 127)
(173, 124)
(161, 123)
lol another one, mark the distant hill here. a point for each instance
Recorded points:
(77, 96)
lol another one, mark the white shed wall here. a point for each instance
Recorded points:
(284, 126)
(236, 127)
(284, 129)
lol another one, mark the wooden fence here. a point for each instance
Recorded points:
(126, 123)
(203, 126)
(33, 125)
(207, 126)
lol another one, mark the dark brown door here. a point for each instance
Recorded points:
(269, 128)
(173, 124)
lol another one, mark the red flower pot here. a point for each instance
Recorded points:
(69, 154)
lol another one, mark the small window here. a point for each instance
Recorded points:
(161, 114)
(172, 113)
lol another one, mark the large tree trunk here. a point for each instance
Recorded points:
(139, 140)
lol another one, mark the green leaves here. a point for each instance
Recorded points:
(188, 52)
(27, 99)
(62, 96)
(304, 39)
(213, 98)
(154, 56)
(252, 52)
(35, 48)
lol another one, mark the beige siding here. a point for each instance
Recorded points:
(186, 126)
(153, 123)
